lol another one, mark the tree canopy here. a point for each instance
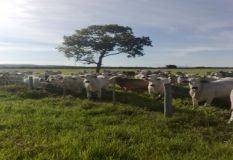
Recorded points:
(90, 45)
(171, 66)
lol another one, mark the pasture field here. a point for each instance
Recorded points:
(68, 71)
(45, 125)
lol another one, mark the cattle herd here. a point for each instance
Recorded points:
(201, 89)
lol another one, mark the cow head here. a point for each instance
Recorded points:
(41, 79)
(195, 84)
(89, 78)
(152, 88)
(86, 81)
(152, 77)
(151, 84)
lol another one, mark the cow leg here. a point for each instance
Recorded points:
(195, 103)
(152, 95)
(231, 118)
(208, 101)
(88, 94)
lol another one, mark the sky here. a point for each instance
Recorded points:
(183, 32)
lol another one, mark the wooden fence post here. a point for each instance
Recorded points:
(168, 109)
(30, 83)
(114, 92)
(5, 77)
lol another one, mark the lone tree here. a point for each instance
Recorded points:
(90, 45)
(171, 66)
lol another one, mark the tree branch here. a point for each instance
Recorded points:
(111, 54)
(89, 62)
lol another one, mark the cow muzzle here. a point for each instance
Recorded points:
(195, 88)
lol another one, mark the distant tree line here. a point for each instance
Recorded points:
(93, 67)
(171, 66)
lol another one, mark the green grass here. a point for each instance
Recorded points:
(196, 71)
(68, 71)
(54, 127)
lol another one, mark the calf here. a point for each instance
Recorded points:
(37, 81)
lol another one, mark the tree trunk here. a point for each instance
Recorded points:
(99, 64)
(98, 67)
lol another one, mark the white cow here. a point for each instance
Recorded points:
(56, 80)
(14, 78)
(156, 86)
(207, 91)
(142, 75)
(37, 82)
(72, 83)
(172, 79)
(182, 80)
(95, 84)
(152, 77)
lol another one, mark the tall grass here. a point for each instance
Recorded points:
(54, 127)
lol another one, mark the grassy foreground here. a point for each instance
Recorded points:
(57, 127)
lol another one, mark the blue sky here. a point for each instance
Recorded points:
(184, 32)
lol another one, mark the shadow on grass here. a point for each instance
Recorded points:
(180, 92)
(132, 98)
(210, 124)
(222, 103)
